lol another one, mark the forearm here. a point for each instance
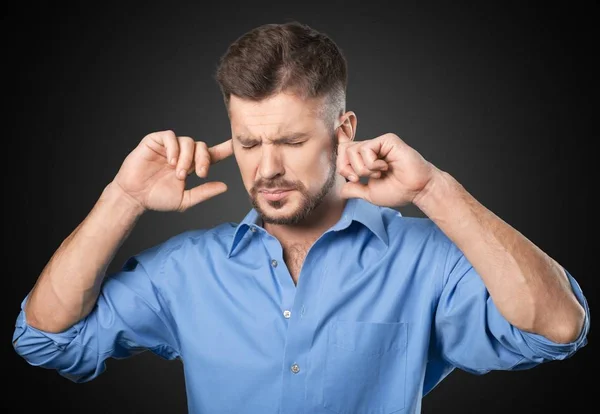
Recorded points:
(69, 285)
(529, 288)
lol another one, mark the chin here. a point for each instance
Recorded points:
(285, 212)
(279, 208)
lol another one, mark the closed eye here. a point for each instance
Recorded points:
(292, 144)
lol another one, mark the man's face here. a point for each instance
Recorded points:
(286, 154)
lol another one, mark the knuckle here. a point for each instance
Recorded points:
(168, 133)
(186, 140)
(391, 135)
(152, 135)
(202, 149)
(347, 171)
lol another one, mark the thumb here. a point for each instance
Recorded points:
(202, 193)
(355, 190)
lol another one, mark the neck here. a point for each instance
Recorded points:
(312, 227)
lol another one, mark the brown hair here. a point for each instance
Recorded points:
(293, 57)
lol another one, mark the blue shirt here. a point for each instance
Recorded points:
(385, 307)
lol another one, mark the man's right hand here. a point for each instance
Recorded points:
(153, 174)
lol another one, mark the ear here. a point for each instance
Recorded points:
(346, 129)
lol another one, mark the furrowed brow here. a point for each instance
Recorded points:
(247, 140)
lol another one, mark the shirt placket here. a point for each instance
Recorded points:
(297, 304)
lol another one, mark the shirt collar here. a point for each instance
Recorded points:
(252, 221)
(356, 209)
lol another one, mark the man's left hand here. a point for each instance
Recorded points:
(397, 173)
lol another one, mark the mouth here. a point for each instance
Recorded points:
(275, 195)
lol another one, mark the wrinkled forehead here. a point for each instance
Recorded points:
(274, 116)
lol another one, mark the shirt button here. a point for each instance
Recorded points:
(287, 314)
(274, 263)
(253, 229)
(295, 368)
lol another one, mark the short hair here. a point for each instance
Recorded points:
(287, 57)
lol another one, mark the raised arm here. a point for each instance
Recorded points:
(152, 177)
(530, 289)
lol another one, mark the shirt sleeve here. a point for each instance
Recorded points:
(472, 335)
(130, 316)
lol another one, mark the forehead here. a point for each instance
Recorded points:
(273, 116)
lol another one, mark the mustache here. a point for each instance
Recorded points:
(267, 184)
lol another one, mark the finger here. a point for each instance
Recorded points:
(201, 193)
(221, 151)
(358, 165)
(186, 156)
(355, 190)
(370, 156)
(343, 163)
(202, 159)
(348, 173)
(167, 142)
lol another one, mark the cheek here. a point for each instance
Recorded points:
(312, 168)
(248, 167)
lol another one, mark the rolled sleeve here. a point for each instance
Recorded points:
(473, 335)
(59, 350)
(549, 350)
(130, 316)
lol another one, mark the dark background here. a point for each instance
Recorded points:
(502, 97)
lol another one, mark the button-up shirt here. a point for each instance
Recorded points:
(385, 307)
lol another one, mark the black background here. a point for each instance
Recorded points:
(502, 97)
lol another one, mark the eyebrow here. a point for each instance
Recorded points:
(286, 139)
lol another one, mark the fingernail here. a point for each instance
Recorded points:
(173, 161)
(181, 174)
(352, 177)
(202, 170)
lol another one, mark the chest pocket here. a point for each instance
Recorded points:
(365, 367)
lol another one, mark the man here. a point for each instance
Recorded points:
(324, 298)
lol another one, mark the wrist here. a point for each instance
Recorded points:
(435, 191)
(114, 194)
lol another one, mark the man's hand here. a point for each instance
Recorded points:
(397, 173)
(153, 174)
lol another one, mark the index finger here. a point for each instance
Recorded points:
(221, 151)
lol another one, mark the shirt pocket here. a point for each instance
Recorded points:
(365, 367)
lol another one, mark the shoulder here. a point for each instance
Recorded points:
(197, 239)
(412, 228)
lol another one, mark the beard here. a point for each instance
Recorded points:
(308, 202)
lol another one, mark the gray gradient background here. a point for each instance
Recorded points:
(501, 97)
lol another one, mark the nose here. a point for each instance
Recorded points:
(271, 164)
